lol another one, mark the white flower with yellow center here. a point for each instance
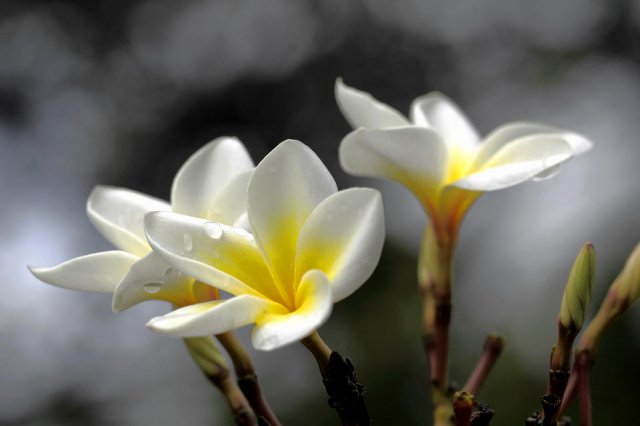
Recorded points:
(440, 157)
(311, 247)
(211, 184)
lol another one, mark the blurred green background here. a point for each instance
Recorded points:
(122, 92)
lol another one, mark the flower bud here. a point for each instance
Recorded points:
(577, 292)
(207, 356)
(627, 285)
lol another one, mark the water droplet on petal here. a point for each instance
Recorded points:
(213, 230)
(187, 241)
(152, 288)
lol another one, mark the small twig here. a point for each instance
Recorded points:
(346, 395)
(493, 346)
(247, 378)
(550, 404)
(207, 356)
(463, 408)
(583, 367)
(243, 414)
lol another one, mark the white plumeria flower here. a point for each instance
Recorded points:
(311, 247)
(439, 155)
(211, 184)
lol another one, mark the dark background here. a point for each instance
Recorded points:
(122, 92)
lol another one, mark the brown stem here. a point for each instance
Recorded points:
(428, 328)
(493, 346)
(570, 392)
(346, 395)
(435, 269)
(242, 412)
(247, 378)
(583, 368)
(612, 307)
(462, 408)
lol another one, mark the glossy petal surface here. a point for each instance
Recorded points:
(213, 317)
(518, 162)
(284, 189)
(363, 110)
(118, 214)
(313, 301)
(343, 238)
(204, 175)
(152, 278)
(98, 272)
(216, 254)
(437, 111)
(413, 156)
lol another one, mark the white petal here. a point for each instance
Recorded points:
(224, 257)
(362, 110)
(230, 204)
(343, 238)
(204, 319)
(579, 143)
(152, 278)
(414, 156)
(206, 173)
(518, 162)
(118, 214)
(442, 114)
(313, 299)
(284, 189)
(511, 132)
(98, 272)
(548, 174)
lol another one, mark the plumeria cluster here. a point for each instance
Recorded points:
(279, 238)
(276, 245)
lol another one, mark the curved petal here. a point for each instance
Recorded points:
(205, 173)
(220, 316)
(517, 162)
(343, 238)
(98, 272)
(284, 189)
(216, 254)
(230, 204)
(414, 156)
(437, 111)
(313, 301)
(511, 132)
(152, 278)
(118, 214)
(361, 109)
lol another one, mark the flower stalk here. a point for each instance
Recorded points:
(493, 346)
(622, 294)
(434, 274)
(206, 355)
(346, 395)
(246, 377)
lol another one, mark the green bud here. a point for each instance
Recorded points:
(577, 292)
(627, 285)
(207, 356)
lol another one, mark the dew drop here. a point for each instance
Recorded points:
(187, 242)
(213, 230)
(152, 288)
